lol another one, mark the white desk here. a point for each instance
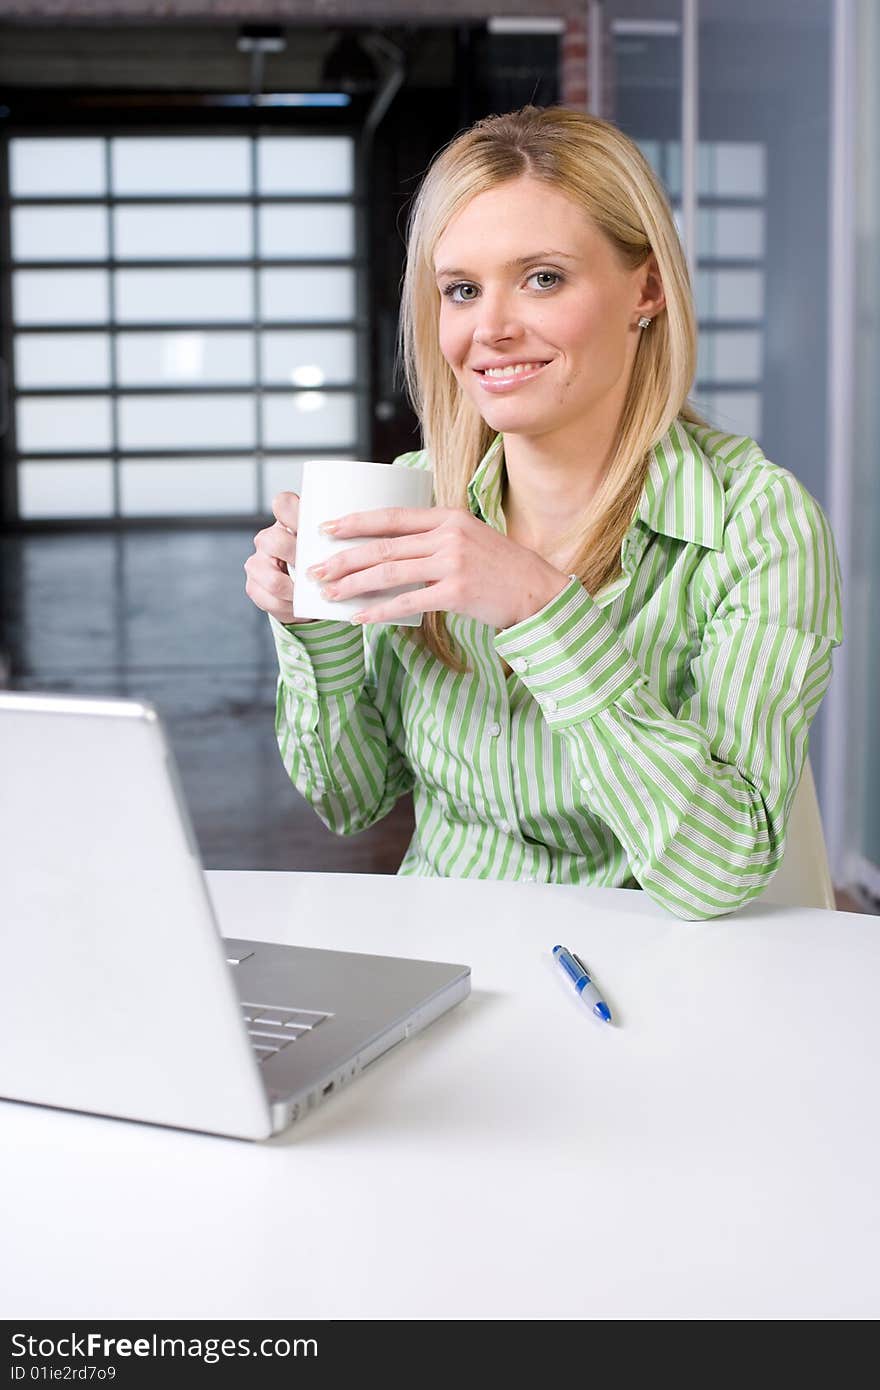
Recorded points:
(715, 1155)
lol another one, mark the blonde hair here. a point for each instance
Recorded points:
(605, 173)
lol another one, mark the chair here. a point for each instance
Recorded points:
(803, 879)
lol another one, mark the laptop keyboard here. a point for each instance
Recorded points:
(271, 1028)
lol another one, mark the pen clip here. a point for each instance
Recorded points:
(579, 963)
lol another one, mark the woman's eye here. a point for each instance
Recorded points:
(451, 291)
(547, 274)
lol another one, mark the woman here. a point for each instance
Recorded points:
(629, 614)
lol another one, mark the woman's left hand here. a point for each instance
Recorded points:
(469, 568)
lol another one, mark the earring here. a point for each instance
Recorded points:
(643, 323)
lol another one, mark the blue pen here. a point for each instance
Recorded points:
(580, 977)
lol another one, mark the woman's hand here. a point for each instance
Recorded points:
(268, 584)
(469, 568)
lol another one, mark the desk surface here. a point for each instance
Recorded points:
(713, 1156)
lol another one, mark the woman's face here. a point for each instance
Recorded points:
(570, 310)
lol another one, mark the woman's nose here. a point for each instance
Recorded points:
(496, 319)
(495, 326)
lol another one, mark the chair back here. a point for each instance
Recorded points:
(803, 879)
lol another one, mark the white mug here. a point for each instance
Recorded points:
(335, 487)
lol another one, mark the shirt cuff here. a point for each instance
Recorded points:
(570, 657)
(320, 658)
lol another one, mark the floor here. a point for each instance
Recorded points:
(162, 615)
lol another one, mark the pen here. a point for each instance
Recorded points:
(579, 975)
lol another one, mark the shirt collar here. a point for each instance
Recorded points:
(682, 497)
(485, 487)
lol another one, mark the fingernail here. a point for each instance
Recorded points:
(357, 618)
(317, 571)
(328, 528)
(328, 590)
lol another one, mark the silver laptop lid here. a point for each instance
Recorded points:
(110, 947)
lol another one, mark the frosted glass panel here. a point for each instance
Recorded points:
(281, 475)
(285, 475)
(55, 423)
(860, 523)
(188, 487)
(182, 296)
(59, 296)
(180, 327)
(725, 168)
(53, 168)
(735, 412)
(59, 234)
(305, 164)
(733, 232)
(730, 294)
(298, 230)
(204, 233)
(736, 356)
(187, 422)
(307, 294)
(62, 359)
(732, 169)
(308, 359)
(177, 165)
(166, 359)
(309, 418)
(65, 488)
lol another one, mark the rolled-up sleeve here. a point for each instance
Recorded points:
(330, 733)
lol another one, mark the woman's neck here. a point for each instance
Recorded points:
(547, 487)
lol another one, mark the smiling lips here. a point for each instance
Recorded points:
(504, 379)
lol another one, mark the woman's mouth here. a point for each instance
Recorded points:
(498, 379)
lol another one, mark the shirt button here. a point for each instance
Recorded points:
(530, 878)
(520, 664)
(586, 784)
(504, 826)
(299, 682)
(494, 730)
(550, 705)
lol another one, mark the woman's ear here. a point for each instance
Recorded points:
(652, 298)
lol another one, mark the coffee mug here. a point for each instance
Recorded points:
(336, 487)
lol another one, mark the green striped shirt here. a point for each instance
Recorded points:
(652, 735)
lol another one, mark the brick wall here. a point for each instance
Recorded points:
(574, 64)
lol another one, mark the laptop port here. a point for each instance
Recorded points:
(328, 1088)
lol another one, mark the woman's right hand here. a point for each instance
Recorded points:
(268, 584)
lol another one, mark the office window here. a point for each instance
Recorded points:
(729, 288)
(74, 487)
(185, 323)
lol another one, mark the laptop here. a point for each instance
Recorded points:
(118, 994)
